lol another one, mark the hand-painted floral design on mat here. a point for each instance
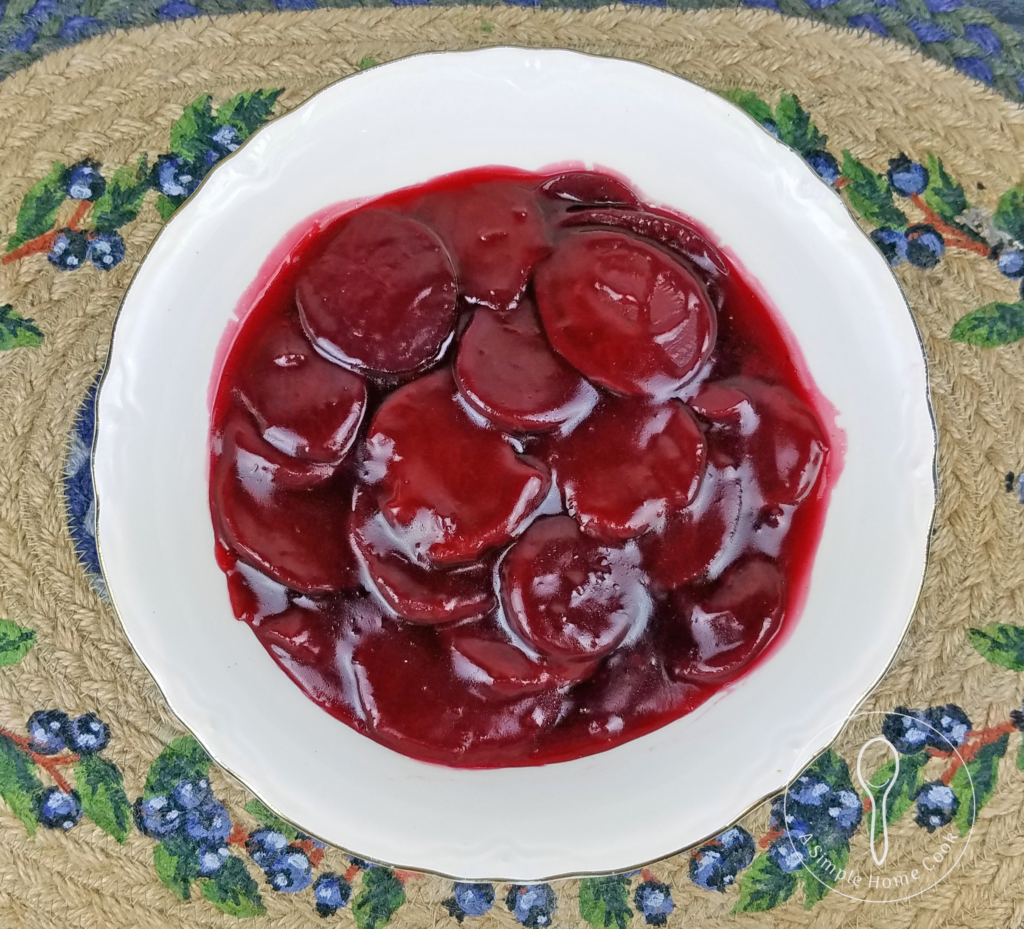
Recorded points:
(55, 774)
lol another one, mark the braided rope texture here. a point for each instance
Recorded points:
(116, 95)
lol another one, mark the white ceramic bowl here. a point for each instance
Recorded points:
(401, 124)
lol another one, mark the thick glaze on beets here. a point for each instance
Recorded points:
(508, 469)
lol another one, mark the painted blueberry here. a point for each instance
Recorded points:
(226, 138)
(158, 816)
(473, 899)
(892, 243)
(59, 809)
(85, 181)
(845, 810)
(825, 165)
(953, 724)
(264, 845)
(289, 871)
(68, 250)
(361, 863)
(209, 822)
(87, 734)
(106, 250)
(211, 858)
(654, 901)
(907, 730)
(174, 177)
(332, 892)
(936, 805)
(772, 127)
(907, 177)
(924, 245)
(46, 731)
(714, 866)
(1016, 716)
(531, 904)
(811, 791)
(1011, 262)
(786, 855)
(190, 794)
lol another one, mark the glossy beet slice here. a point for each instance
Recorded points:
(569, 597)
(732, 624)
(302, 633)
(770, 427)
(418, 594)
(584, 188)
(496, 235)
(694, 537)
(297, 537)
(451, 489)
(305, 406)
(625, 313)
(381, 296)
(628, 465)
(507, 372)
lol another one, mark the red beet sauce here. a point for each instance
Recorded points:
(508, 469)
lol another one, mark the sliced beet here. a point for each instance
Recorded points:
(450, 488)
(625, 313)
(297, 537)
(496, 235)
(628, 465)
(569, 597)
(692, 538)
(507, 372)
(769, 426)
(418, 594)
(302, 633)
(727, 627)
(584, 188)
(381, 295)
(305, 406)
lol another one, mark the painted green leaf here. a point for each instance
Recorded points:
(183, 759)
(367, 63)
(943, 194)
(166, 207)
(19, 786)
(763, 886)
(1009, 215)
(826, 867)
(901, 795)
(190, 135)
(1000, 643)
(604, 901)
(271, 820)
(247, 111)
(122, 199)
(17, 332)
(989, 326)
(232, 890)
(104, 801)
(381, 895)
(1020, 755)
(833, 768)
(796, 128)
(39, 207)
(751, 102)
(869, 194)
(983, 769)
(15, 640)
(176, 865)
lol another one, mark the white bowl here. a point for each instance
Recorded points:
(401, 124)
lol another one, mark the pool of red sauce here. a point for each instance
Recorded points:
(622, 700)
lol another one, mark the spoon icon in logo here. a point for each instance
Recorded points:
(878, 808)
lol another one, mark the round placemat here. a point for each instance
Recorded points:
(113, 816)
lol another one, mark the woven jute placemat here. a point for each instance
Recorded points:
(133, 107)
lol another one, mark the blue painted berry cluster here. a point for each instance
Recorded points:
(715, 866)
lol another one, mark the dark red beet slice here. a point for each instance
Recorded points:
(495, 234)
(628, 465)
(450, 488)
(418, 594)
(625, 313)
(381, 295)
(730, 626)
(297, 537)
(569, 597)
(583, 188)
(507, 372)
(769, 426)
(692, 538)
(305, 406)
(302, 633)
